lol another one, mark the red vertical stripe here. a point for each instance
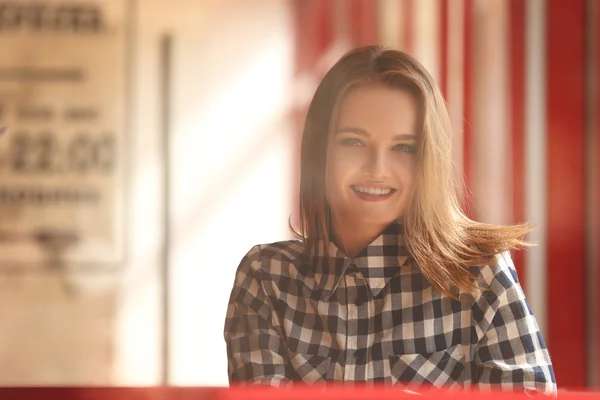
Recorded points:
(304, 13)
(517, 110)
(407, 26)
(596, 188)
(324, 27)
(444, 46)
(467, 100)
(363, 25)
(565, 110)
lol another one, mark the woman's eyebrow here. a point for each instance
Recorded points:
(363, 132)
(406, 136)
(352, 129)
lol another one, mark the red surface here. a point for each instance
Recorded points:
(517, 120)
(467, 100)
(259, 393)
(565, 111)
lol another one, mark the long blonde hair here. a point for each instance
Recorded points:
(442, 240)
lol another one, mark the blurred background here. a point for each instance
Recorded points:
(146, 146)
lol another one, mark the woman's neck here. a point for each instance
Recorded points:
(352, 238)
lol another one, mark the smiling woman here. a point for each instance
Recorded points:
(390, 281)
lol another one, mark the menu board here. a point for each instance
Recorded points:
(63, 130)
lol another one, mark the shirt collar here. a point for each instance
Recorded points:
(378, 263)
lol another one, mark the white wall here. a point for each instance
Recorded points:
(232, 176)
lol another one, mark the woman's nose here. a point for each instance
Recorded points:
(378, 164)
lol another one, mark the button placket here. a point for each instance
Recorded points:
(351, 328)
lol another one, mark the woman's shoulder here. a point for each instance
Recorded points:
(502, 267)
(274, 257)
(499, 276)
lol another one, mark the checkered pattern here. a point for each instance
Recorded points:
(318, 316)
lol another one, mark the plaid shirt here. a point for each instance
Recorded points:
(296, 315)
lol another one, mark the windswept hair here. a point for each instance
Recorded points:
(442, 240)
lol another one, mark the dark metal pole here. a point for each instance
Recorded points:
(166, 45)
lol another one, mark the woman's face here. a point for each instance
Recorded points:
(371, 156)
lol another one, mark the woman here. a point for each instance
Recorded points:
(390, 282)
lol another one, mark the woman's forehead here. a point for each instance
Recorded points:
(376, 108)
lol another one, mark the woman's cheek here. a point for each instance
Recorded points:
(349, 158)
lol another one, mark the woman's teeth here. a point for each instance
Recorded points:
(373, 191)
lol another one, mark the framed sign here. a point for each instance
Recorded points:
(64, 108)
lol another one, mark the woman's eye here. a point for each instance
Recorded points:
(405, 148)
(352, 142)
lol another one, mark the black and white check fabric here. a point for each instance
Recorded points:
(318, 316)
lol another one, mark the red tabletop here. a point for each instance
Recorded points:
(256, 393)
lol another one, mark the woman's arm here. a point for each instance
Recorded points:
(255, 350)
(511, 353)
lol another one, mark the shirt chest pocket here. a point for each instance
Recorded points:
(443, 368)
(310, 368)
